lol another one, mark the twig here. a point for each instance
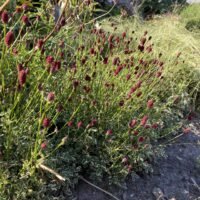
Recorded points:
(58, 21)
(58, 176)
(61, 178)
(98, 188)
(173, 139)
(4, 5)
(195, 184)
(93, 20)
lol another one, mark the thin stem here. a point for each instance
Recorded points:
(98, 188)
(4, 5)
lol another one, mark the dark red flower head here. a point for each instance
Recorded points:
(44, 145)
(87, 2)
(57, 65)
(141, 139)
(123, 34)
(139, 94)
(141, 47)
(83, 60)
(62, 54)
(18, 10)
(40, 44)
(119, 68)
(144, 120)
(86, 88)
(117, 40)
(132, 90)
(189, 117)
(26, 21)
(150, 103)
(133, 123)
(128, 76)
(129, 168)
(9, 39)
(154, 126)
(110, 39)
(136, 132)
(4, 17)
(49, 59)
(138, 84)
(92, 51)
(147, 126)
(105, 61)
(109, 132)
(25, 7)
(159, 73)
(75, 84)
(116, 61)
(79, 124)
(46, 122)
(19, 67)
(51, 96)
(93, 123)
(143, 40)
(62, 21)
(121, 103)
(149, 49)
(87, 78)
(15, 51)
(22, 77)
(145, 33)
(53, 67)
(186, 130)
(70, 123)
(40, 87)
(59, 108)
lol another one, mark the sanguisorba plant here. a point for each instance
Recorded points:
(83, 101)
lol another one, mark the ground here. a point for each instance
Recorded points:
(177, 176)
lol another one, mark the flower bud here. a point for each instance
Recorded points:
(46, 122)
(9, 39)
(4, 17)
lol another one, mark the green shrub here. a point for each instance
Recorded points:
(152, 7)
(193, 25)
(82, 102)
(191, 17)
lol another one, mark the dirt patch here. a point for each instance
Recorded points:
(176, 177)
